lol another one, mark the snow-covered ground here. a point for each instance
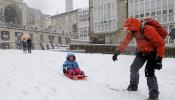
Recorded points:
(38, 76)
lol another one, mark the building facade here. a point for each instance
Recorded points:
(83, 25)
(69, 5)
(106, 19)
(105, 16)
(17, 18)
(161, 10)
(66, 24)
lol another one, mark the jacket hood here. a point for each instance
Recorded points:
(132, 24)
(70, 54)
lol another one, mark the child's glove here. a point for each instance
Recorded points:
(64, 70)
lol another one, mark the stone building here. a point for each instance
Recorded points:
(66, 24)
(83, 25)
(16, 18)
(106, 20)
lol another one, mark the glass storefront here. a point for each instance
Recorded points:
(160, 10)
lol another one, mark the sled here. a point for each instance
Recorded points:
(76, 77)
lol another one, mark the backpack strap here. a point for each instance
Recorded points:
(142, 31)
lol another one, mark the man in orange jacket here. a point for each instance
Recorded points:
(150, 48)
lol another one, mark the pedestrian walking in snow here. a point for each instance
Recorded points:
(27, 42)
(24, 46)
(149, 35)
(29, 45)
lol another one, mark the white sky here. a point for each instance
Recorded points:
(51, 7)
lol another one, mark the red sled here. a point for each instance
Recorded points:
(76, 77)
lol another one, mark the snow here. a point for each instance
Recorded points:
(38, 76)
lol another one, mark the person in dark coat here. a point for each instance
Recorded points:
(24, 46)
(29, 45)
(27, 42)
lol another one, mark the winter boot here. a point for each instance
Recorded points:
(82, 73)
(153, 87)
(132, 87)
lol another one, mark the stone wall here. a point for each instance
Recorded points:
(36, 37)
(111, 48)
(100, 48)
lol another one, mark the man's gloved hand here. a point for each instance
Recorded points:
(158, 63)
(114, 57)
(64, 70)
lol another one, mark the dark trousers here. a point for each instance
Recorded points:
(29, 46)
(138, 63)
(24, 46)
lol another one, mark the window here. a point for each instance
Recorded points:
(166, 27)
(32, 20)
(164, 18)
(152, 13)
(158, 4)
(171, 11)
(51, 38)
(59, 40)
(141, 15)
(136, 16)
(109, 5)
(164, 4)
(164, 11)
(136, 8)
(171, 27)
(136, 1)
(130, 9)
(147, 14)
(158, 12)
(152, 4)
(147, 7)
(5, 35)
(158, 18)
(171, 40)
(171, 17)
(141, 8)
(41, 37)
(170, 3)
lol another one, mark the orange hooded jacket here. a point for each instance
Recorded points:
(153, 42)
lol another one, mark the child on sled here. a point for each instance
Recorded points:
(71, 67)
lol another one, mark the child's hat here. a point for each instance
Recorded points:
(70, 54)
